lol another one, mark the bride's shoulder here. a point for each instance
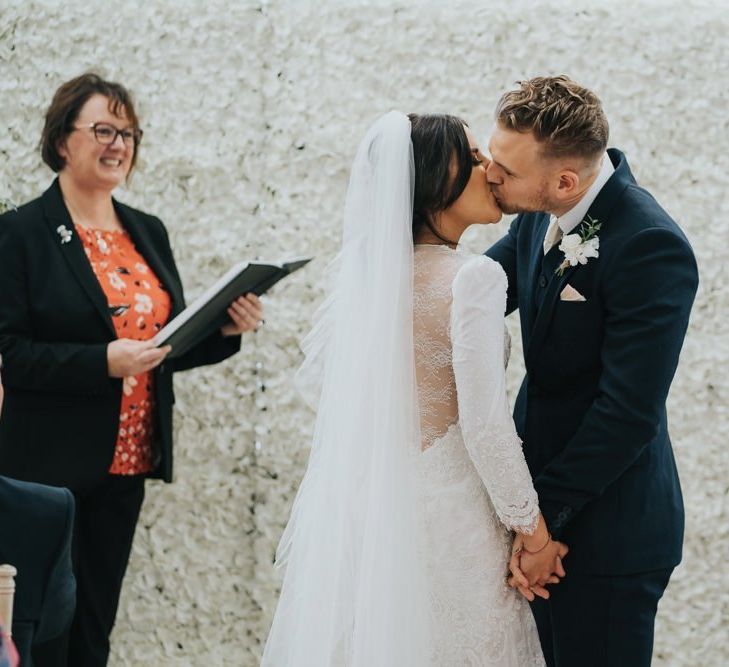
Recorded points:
(479, 273)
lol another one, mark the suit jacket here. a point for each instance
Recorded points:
(592, 407)
(61, 415)
(36, 526)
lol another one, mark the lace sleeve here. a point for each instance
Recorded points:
(477, 338)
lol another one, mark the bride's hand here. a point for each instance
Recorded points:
(527, 591)
(518, 579)
(517, 576)
(531, 592)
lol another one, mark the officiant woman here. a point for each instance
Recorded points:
(85, 282)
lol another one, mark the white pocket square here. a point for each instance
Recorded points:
(569, 293)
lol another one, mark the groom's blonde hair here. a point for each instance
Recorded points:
(567, 119)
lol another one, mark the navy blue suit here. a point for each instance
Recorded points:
(592, 408)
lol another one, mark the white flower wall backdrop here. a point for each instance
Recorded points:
(252, 112)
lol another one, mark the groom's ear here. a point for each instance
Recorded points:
(568, 184)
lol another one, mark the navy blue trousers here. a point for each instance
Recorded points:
(600, 621)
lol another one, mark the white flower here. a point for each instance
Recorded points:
(102, 245)
(115, 281)
(128, 387)
(64, 233)
(576, 251)
(144, 303)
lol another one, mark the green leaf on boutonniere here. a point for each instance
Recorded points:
(589, 228)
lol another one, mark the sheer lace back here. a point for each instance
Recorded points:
(435, 268)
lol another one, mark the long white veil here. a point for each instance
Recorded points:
(355, 587)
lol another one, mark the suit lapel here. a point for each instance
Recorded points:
(56, 214)
(552, 260)
(535, 264)
(600, 210)
(146, 246)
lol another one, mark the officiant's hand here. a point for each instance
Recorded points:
(126, 357)
(246, 313)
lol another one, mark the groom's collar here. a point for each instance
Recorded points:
(569, 221)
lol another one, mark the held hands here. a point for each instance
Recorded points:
(126, 357)
(536, 562)
(246, 313)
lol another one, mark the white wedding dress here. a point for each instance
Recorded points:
(474, 480)
(396, 550)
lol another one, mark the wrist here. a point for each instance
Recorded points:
(532, 551)
(539, 538)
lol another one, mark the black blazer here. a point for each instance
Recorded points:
(592, 408)
(61, 414)
(36, 526)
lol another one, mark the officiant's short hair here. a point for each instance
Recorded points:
(66, 105)
(566, 118)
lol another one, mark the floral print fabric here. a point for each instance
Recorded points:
(139, 307)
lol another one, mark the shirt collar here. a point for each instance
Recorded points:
(569, 221)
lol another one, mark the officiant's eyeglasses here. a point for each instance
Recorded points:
(106, 134)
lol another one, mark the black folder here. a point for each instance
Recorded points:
(209, 312)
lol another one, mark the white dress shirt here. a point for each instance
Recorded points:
(568, 221)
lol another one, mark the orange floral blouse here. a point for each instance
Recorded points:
(139, 307)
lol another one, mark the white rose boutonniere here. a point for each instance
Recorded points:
(580, 247)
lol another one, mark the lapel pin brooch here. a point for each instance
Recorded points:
(64, 233)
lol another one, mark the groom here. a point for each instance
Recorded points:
(604, 281)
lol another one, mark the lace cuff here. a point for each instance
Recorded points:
(477, 337)
(500, 463)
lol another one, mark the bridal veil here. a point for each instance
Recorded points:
(355, 587)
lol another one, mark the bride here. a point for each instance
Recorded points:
(397, 547)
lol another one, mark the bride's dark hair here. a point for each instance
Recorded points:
(437, 140)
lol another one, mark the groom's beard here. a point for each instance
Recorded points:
(511, 209)
(535, 204)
